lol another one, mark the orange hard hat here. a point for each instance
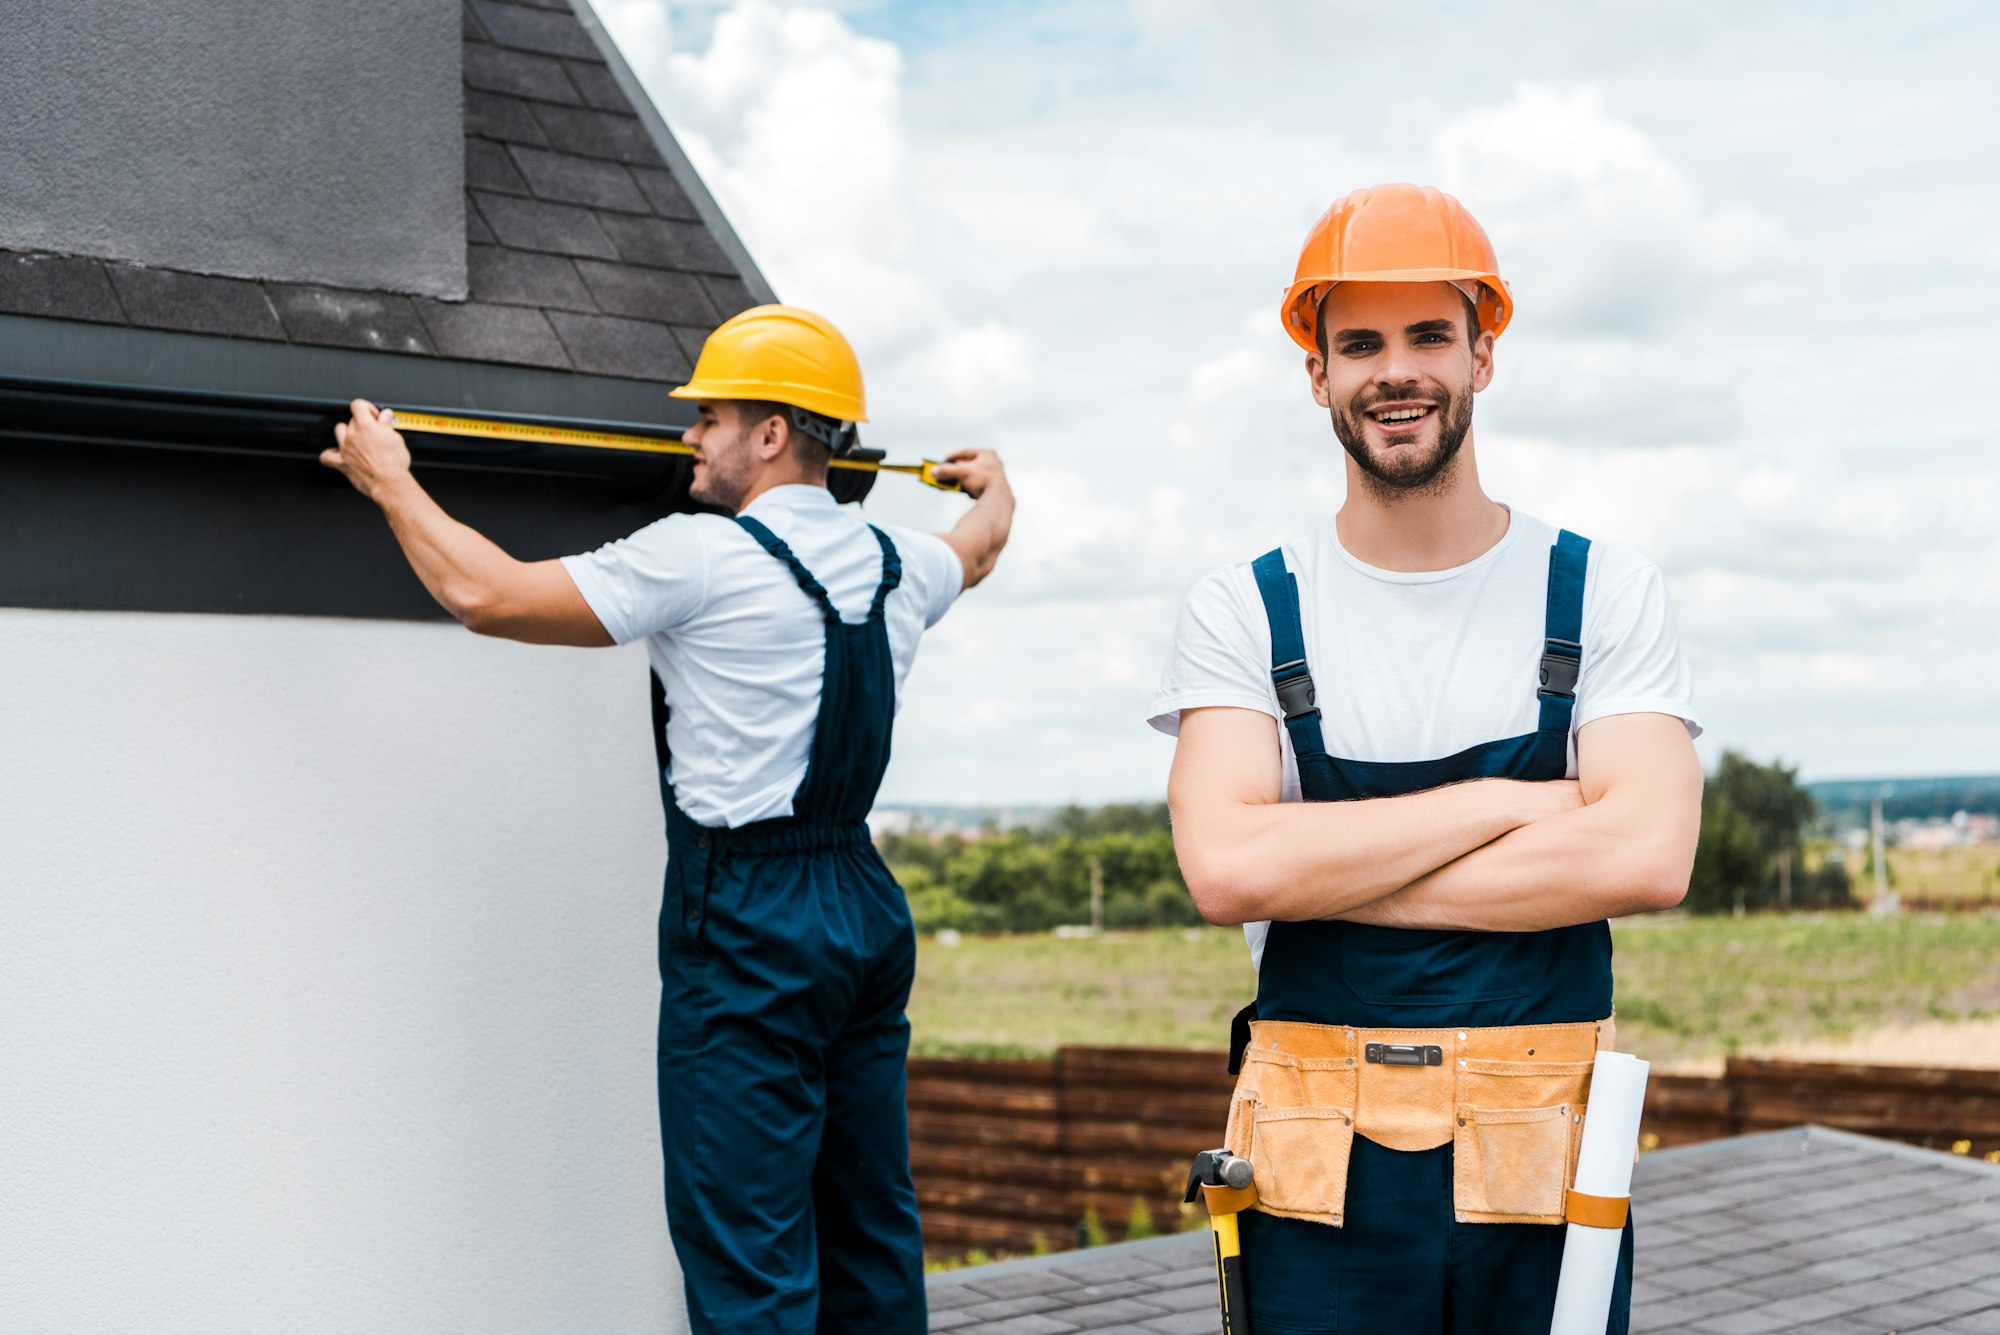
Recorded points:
(1395, 234)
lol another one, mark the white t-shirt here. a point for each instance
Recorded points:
(741, 647)
(1418, 665)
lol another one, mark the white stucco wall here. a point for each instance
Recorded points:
(327, 987)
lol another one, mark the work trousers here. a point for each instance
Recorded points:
(1401, 1264)
(781, 1078)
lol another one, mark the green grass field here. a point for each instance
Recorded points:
(1689, 989)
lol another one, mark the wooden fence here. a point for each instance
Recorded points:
(1011, 1155)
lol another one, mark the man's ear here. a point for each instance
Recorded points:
(1482, 360)
(772, 435)
(1316, 372)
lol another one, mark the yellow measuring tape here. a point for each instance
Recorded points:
(529, 433)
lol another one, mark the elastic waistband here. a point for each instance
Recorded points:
(766, 838)
(1511, 1043)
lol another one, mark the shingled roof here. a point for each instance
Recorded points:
(596, 263)
(592, 246)
(1801, 1230)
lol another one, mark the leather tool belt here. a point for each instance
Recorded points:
(1510, 1102)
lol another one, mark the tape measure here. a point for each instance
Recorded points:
(532, 433)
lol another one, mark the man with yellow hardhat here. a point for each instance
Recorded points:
(782, 637)
(1425, 751)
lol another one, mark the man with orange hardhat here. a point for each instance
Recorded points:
(780, 640)
(1424, 752)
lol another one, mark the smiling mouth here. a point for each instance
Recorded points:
(1401, 419)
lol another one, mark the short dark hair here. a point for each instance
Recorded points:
(1471, 320)
(755, 412)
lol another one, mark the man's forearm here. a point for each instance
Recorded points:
(982, 530)
(1298, 861)
(460, 567)
(1628, 850)
(1600, 861)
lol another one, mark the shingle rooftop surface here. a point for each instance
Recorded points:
(1800, 1230)
(585, 251)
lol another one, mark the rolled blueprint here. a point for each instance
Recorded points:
(1603, 1168)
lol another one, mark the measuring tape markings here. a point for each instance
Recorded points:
(434, 424)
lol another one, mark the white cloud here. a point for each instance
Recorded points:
(795, 121)
(1062, 230)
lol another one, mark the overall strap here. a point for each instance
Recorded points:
(775, 545)
(1562, 632)
(892, 573)
(1290, 674)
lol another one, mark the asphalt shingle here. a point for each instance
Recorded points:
(599, 134)
(531, 29)
(534, 224)
(524, 278)
(498, 116)
(480, 332)
(496, 69)
(1922, 1256)
(608, 345)
(665, 245)
(690, 340)
(649, 294)
(729, 294)
(477, 233)
(573, 180)
(335, 318)
(63, 287)
(194, 303)
(664, 193)
(488, 166)
(598, 87)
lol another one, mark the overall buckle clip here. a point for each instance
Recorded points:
(1562, 664)
(1296, 694)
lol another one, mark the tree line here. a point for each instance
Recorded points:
(1757, 824)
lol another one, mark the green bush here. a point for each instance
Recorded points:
(1754, 819)
(1033, 879)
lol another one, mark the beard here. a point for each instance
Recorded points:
(724, 477)
(1407, 470)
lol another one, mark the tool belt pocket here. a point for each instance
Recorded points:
(1300, 1155)
(1293, 1119)
(1514, 1145)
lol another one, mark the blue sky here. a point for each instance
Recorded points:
(1753, 250)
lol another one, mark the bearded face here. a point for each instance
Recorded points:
(722, 456)
(1401, 366)
(1416, 436)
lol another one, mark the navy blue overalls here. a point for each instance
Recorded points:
(786, 954)
(1401, 1263)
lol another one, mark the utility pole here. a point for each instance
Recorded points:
(1096, 895)
(1883, 904)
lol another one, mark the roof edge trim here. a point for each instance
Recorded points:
(37, 348)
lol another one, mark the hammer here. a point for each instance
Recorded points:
(1227, 1184)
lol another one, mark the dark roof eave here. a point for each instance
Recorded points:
(219, 395)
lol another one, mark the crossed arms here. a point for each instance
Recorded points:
(1483, 855)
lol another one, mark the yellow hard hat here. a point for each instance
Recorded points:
(784, 354)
